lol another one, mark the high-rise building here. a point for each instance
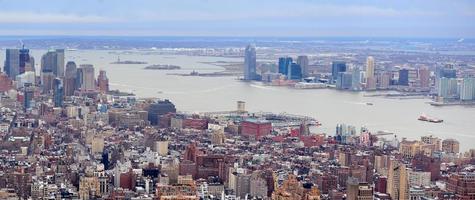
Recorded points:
(5, 82)
(24, 62)
(295, 72)
(53, 61)
(103, 82)
(444, 72)
(284, 65)
(158, 109)
(450, 146)
(28, 93)
(47, 78)
(337, 67)
(356, 79)
(383, 80)
(467, 89)
(303, 62)
(12, 63)
(70, 81)
(397, 184)
(424, 77)
(403, 77)
(250, 63)
(369, 67)
(86, 77)
(447, 88)
(58, 92)
(344, 80)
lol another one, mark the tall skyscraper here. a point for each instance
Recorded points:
(356, 79)
(344, 80)
(28, 92)
(447, 88)
(295, 72)
(70, 82)
(47, 78)
(467, 89)
(12, 63)
(424, 77)
(250, 63)
(403, 77)
(24, 62)
(103, 82)
(303, 62)
(337, 67)
(86, 76)
(370, 67)
(58, 92)
(53, 61)
(284, 65)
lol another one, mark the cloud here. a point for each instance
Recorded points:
(32, 18)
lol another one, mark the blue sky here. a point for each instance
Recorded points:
(373, 18)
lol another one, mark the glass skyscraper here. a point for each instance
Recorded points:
(250, 63)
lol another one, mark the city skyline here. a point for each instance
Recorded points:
(249, 18)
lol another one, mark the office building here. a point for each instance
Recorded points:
(397, 184)
(12, 63)
(356, 79)
(47, 78)
(70, 81)
(86, 77)
(337, 67)
(103, 82)
(370, 67)
(58, 92)
(28, 94)
(295, 72)
(53, 61)
(344, 80)
(467, 89)
(424, 77)
(5, 82)
(158, 109)
(403, 77)
(284, 65)
(303, 62)
(447, 88)
(250, 63)
(255, 128)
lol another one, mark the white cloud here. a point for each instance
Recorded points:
(32, 18)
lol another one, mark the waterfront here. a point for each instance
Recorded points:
(194, 94)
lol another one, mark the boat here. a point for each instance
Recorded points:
(426, 118)
(369, 104)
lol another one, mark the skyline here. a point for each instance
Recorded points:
(301, 18)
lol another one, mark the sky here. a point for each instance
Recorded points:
(293, 18)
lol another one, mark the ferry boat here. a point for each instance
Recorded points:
(426, 118)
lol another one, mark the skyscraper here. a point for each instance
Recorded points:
(103, 81)
(250, 63)
(356, 78)
(28, 92)
(295, 72)
(370, 67)
(303, 62)
(467, 89)
(424, 77)
(403, 77)
(24, 61)
(12, 63)
(53, 61)
(70, 82)
(58, 92)
(337, 67)
(284, 65)
(344, 80)
(86, 77)
(447, 88)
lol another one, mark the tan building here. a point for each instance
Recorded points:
(89, 187)
(97, 144)
(217, 137)
(398, 184)
(177, 192)
(450, 146)
(185, 180)
(430, 139)
(291, 189)
(161, 147)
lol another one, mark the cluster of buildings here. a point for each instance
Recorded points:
(444, 82)
(64, 135)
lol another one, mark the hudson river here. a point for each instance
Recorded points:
(194, 94)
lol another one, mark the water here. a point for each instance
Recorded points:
(194, 94)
